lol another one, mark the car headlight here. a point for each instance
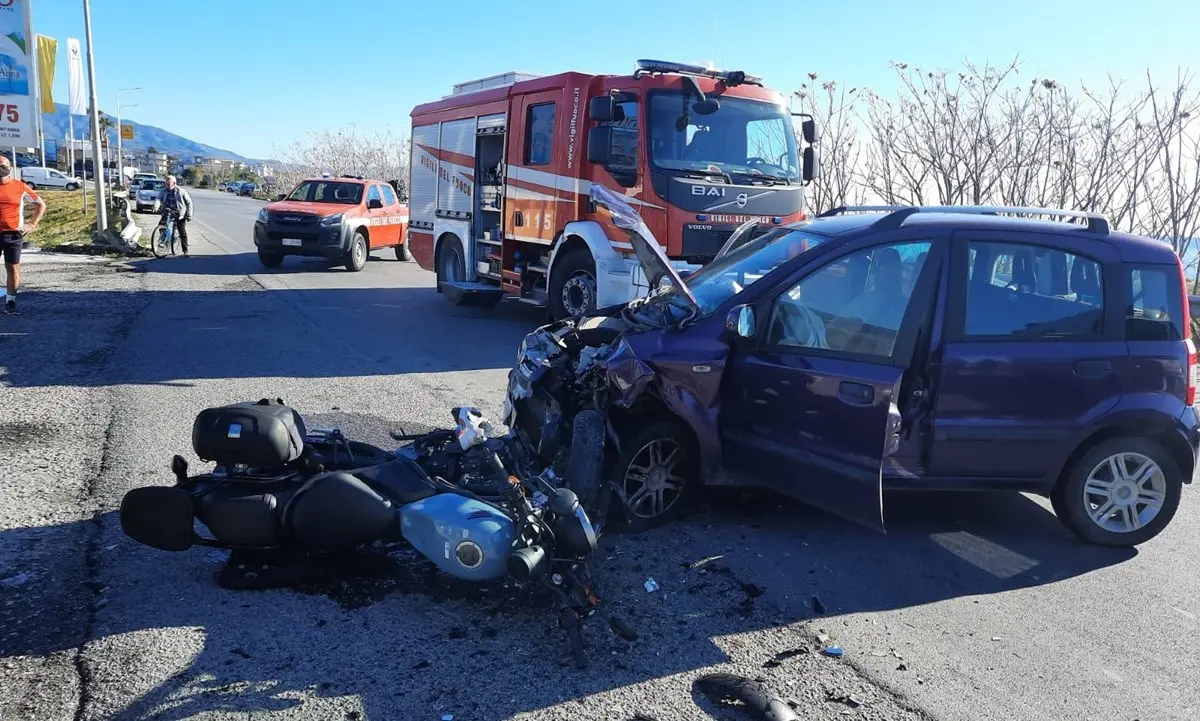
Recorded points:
(333, 220)
(262, 215)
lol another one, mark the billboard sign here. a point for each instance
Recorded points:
(18, 122)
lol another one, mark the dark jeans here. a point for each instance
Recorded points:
(181, 226)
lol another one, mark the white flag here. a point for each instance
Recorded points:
(75, 95)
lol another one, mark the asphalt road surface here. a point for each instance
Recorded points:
(972, 607)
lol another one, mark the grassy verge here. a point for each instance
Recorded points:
(65, 221)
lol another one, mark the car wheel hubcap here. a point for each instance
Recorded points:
(1124, 492)
(579, 293)
(654, 479)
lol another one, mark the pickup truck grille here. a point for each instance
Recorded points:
(297, 220)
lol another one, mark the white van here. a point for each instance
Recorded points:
(49, 178)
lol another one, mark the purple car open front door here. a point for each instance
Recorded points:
(810, 403)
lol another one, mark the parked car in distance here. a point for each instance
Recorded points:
(937, 348)
(233, 186)
(341, 219)
(246, 189)
(49, 178)
(149, 195)
(221, 187)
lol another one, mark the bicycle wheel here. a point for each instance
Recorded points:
(160, 242)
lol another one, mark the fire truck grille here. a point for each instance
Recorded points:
(701, 246)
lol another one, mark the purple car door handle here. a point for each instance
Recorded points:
(858, 393)
(1092, 368)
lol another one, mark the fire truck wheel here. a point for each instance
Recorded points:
(573, 285)
(402, 252)
(356, 257)
(451, 268)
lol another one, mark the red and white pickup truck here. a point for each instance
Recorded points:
(340, 219)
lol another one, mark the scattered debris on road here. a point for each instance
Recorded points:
(651, 585)
(847, 699)
(833, 651)
(729, 690)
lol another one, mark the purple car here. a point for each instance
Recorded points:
(961, 348)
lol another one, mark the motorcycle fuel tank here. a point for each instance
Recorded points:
(463, 537)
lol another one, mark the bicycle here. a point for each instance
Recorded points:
(163, 236)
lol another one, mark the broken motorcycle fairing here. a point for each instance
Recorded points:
(477, 505)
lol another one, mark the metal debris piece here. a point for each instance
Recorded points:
(651, 585)
(834, 651)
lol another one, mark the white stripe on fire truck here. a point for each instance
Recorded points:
(575, 186)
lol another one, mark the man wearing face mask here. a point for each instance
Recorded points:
(13, 226)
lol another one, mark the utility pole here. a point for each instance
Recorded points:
(97, 162)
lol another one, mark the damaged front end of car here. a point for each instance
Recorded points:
(589, 364)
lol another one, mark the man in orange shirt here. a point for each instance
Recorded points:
(13, 228)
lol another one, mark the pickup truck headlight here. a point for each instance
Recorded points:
(262, 215)
(332, 220)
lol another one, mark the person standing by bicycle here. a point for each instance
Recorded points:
(14, 194)
(178, 202)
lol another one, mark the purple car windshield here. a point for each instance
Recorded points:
(729, 275)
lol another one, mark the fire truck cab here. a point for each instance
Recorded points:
(502, 167)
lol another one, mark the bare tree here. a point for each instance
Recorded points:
(382, 155)
(981, 136)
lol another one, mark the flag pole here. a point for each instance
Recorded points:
(97, 160)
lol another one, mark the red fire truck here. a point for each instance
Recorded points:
(501, 170)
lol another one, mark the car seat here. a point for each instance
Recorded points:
(1085, 282)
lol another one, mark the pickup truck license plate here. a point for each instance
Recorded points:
(292, 241)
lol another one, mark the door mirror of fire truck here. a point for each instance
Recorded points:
(808, 128)
(374, 203)
(599, 147)
(605, 109)
(812, 164)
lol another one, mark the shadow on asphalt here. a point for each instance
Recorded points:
(248, 264)
(323, 333)
(776, 558)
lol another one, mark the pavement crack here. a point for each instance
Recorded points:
(95, 530)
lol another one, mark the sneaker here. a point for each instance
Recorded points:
(10, 307)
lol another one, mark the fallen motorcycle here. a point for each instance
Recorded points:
(478, 506)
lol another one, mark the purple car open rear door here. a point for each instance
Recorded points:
(813, 428)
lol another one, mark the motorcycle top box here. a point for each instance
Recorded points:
(260, 435)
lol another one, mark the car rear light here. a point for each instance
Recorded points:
(1186, 304)
(1193, 366)
(1193, 371)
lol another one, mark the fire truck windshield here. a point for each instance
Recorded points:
(750, 140)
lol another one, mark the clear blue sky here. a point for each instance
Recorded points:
(250, 75)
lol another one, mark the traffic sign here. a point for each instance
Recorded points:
(126, 132)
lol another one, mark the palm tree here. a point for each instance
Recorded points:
(106, 125)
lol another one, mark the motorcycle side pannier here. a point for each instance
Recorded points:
(260, 435)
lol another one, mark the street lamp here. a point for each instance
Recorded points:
(120, 158)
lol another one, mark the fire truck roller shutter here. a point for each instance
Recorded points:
(614, 272)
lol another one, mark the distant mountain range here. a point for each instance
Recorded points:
(144, 136)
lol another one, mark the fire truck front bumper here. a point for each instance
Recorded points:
(316, 241)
